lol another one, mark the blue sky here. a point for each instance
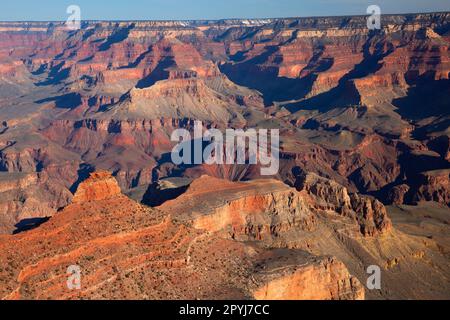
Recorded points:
(13, 10)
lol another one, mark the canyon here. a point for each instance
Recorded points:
(86, 118)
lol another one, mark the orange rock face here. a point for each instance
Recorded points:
(326, 279)
(258, 210)
(99, 186)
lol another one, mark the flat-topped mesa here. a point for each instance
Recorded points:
(100, 185)
(255, 210)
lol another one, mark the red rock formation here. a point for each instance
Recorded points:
(262, 209)
(99, 186)
(326, 279)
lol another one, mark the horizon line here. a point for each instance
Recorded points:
(227, 19)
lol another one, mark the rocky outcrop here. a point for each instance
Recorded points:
(100, 185)
(328, 76)
(368, 212)
(322, 279)
(431, 186)
(10, 182)
(397, 194)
